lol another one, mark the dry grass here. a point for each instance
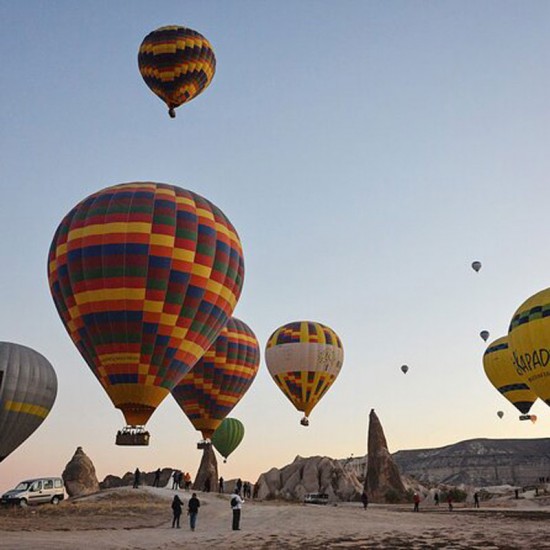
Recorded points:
(105, 510)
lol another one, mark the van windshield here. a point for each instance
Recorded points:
(23, 486)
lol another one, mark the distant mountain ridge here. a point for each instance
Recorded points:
(479, 462)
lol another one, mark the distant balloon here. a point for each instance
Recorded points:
(177, 64)
(498, 364)
(500, 414)
(220, 378)
(28, 388)
(304, 358)
(529, 337)
(476, 266)
(404, 369)
(484, 335)
(228, 436)
(144, 277)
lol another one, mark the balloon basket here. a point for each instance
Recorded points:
(132, 435)
(304, 421)
(203, 444)
(531, 417)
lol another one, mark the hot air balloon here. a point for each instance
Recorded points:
(500, 414)
(228, 436)
(484, 335)
(144, 277)
(219, 380)
(304, 358)
(529, 337)
(28, 387)
(177, 64)
(499, 368)
(404, 369)
(476, 266)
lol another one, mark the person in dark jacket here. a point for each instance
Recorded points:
(176, 510)
(157, 478)
(365, 499)
(193, 510)
(137, 475)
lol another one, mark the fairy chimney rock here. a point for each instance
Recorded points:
(208, 470)
(79, 475)
(383, 482)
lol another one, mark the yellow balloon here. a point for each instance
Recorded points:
(529, 339)
(500, 370)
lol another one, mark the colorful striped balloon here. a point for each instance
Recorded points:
(144, 277)
(219, 380)
(304, 358)
(228, 436)
(177, 64)
(28, 388)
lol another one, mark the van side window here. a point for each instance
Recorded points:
(36, 486)
(48, 484)
(58, 483)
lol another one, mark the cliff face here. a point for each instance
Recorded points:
(480, 462)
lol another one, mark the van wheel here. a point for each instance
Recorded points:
(55, 500)
(23, 503)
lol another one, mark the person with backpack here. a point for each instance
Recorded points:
(236, 506)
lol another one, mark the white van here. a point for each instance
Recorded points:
(316, 498)
(36, 491)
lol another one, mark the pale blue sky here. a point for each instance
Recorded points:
(367, 152)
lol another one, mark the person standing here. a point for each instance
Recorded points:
(236, 506)
(137, 476)
(239, 486)
(450, 502)
(220, 485)
(436, 499)
(157, 478)
(193, 510)
(187, 481)
(365, 499)
(476, 500)
(416, 500)
(177, 503)
(175, 479)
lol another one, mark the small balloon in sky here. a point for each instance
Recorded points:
(177, 64)
(484, 335)
(404, 369)
(476, 266)
(500, 414)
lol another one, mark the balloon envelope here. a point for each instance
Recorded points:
(484, 335)
(177, 64)
(529, 338)
(28, 388)
(476, 266)
(499, 368)
(500, 414)
(219, 380)
(404, 369)
(228, 436)
(144, 277)
(304, 358)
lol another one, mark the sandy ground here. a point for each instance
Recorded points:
(141, 519)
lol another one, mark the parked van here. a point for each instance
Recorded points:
(36, 491)
(316, 498)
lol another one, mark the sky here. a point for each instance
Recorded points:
(366, 152)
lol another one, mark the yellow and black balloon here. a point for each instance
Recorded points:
(177, 64)
(499, 367)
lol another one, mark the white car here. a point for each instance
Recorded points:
(36, 491)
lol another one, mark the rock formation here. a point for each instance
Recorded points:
(310, 475)
(383, 482)
(79, 475)
(208, 470)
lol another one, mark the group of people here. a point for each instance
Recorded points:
(193, 510)
(181, 480)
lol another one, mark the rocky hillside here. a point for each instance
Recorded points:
(480, 462)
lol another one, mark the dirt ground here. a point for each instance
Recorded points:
(141, 519)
